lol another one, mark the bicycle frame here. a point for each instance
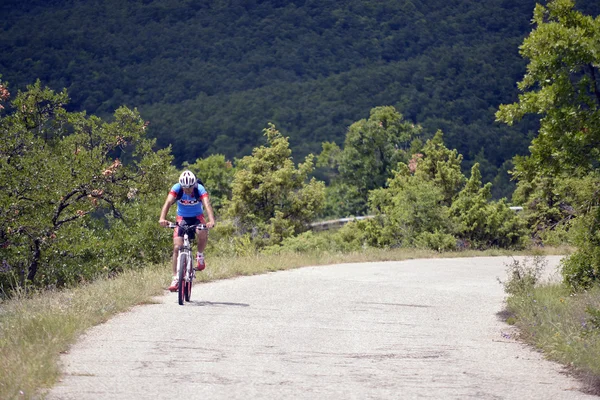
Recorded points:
(185, 268)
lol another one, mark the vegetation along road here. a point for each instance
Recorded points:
(411, 329)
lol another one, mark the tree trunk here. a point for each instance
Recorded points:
(33, 266)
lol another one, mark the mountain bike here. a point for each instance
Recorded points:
(185, 267)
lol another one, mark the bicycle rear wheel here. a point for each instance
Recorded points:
(181, 276)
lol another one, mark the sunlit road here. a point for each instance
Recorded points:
(395, 330)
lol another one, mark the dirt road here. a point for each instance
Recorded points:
(394, 330)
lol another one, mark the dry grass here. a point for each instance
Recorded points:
(565, 326)
(36, 328)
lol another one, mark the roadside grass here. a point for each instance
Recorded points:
(35, 328)
(565, 326)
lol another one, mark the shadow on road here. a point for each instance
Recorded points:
(216, 304)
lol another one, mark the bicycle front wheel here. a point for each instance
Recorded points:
(190, 278)
(188, 290)
(181, 264)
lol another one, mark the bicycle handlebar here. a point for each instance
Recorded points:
(201, 227)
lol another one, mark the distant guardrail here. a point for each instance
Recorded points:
(338, 223)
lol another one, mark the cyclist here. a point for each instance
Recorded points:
(192, 200)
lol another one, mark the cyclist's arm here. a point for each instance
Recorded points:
(209, 212)
(165, 210)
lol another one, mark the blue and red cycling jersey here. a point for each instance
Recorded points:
(189, 205)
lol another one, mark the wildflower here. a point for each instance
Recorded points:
(5, 266)
(132, 193)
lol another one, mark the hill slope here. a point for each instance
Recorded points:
(209, 75)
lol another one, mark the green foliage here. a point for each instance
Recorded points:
(483, 223)
(439, 241)
(341, 201)
(552, 201)
(523, 275)
(592, 325)
(558, 181)
(427, 204)
(581, 270)
(302, 243)
(224, 242)
(371, 150)
(409, 206)
(562, 86)
(271, 199)
(560, 324)
(350, 237)
(441, 166)
(62, 171)
(320, 67)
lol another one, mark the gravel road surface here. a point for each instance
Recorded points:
(388, 330)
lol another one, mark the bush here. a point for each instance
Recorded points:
(483, 223)
(438, 241)
(224, 242)
(523, 275)
(271, 198)
(303, 243)
(582, 269)
(350, 237)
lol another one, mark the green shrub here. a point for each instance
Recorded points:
(303, 243)
(483, 223)
(523, 275)
(350, 237)
(271, 198)
(582, 269)
(410, 206)
(437, 240)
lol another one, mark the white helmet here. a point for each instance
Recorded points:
(187, 179)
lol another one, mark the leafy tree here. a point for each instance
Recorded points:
(410, 206)
(372, 150)
(342, 200)
(271, 198)
(61, 168)
(442, 166)
(427, 204)
(561, 85)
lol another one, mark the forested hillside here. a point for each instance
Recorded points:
(210, 75)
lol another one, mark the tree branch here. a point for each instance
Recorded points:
(595, 90)
(64, 204)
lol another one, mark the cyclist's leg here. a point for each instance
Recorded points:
(201, 240)
(202, 235)
(177, 243)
